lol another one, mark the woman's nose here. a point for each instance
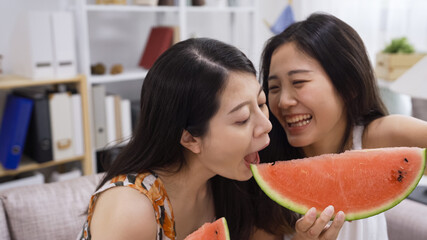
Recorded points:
(264, 125)
(287, 100)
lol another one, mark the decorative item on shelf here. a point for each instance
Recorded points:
(116, 2)
(116, 69)
(146, 2)
(395, 59)
(198, 2)
(97, 69)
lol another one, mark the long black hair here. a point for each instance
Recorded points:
(341, 52)
(181, 92)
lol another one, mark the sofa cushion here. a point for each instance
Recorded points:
(407, 220)
(4, 231)
(48, 211)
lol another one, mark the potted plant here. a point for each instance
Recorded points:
(395, 59)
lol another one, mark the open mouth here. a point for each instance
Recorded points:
(252, 158)
(298, 120)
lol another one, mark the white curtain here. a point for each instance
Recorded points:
(376, 21)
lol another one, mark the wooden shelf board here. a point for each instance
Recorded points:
(13, 81)
(28, 164)
(129, 75)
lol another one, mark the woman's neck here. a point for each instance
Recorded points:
(190, 194)
(332, 144)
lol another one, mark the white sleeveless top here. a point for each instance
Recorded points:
(373, 228)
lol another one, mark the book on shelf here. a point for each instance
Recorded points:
(38, 145)
(13, 130)
(61, 125)
(118, 116)
(126, 119)
(98, 100)
(110, 119)
(159, 40)
(76, 106)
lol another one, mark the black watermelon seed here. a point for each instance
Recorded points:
(406, 160)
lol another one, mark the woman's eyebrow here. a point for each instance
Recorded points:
(244, 103)
(292, 72)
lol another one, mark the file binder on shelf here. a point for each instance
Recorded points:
(13, 131)
(62, 125)
(39, 139)
(64, 46)
(32, 46)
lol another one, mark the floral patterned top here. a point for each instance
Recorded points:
(150, 185)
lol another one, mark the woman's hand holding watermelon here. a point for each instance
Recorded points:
(311, 227)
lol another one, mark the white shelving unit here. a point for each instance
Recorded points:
(117, 34)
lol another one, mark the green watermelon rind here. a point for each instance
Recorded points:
(302, 209)
(226, 231)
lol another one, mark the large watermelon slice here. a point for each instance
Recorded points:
(217, 230)
(361, 183)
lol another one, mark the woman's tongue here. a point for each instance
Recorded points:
(252, 158)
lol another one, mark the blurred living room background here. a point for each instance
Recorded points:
(103, 43)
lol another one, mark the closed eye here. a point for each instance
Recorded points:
(296, 82)
(273, 88)
(242, 122)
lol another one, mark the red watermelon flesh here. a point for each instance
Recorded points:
(361, 183)
(217, 230)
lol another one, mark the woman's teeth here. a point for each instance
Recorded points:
(298, 121)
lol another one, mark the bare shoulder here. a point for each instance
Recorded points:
(123, 213)
(395, 130)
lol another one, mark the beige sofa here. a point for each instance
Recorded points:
(56, 211)
(47, 211)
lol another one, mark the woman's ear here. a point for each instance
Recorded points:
(190, 142)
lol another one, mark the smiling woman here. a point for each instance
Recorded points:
(323, 98)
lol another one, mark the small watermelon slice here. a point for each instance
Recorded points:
(361, 183)
(217, 230)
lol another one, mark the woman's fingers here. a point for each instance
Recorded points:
(334, 229)
(304, 224)
(321, 222)
(311, 227)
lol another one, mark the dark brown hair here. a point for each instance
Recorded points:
(342, 54)
(181, 91)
